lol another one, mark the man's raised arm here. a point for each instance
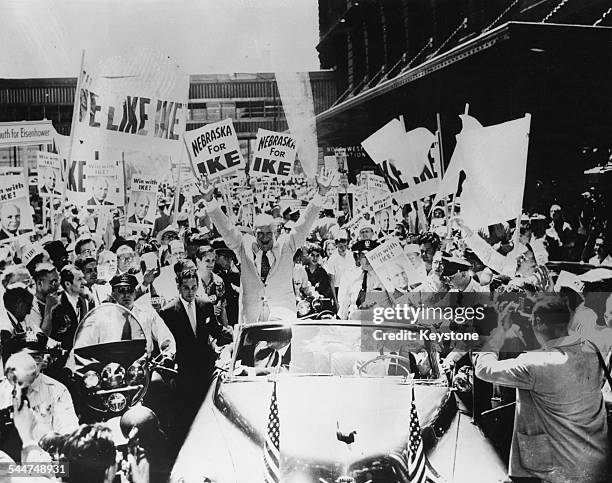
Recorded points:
(300, 231)
(225, 227)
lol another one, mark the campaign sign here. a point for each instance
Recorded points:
(15, 209)
(49, 175)
(214, 150)
(141, 210)
(274, 154)
(392, 266)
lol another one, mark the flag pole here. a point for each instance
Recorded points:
(454, 204)
(177, 193)
(517, 231)
(75, 113)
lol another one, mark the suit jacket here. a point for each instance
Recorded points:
(560, 430)
(194, 354)
(133, 219)
(4, 235)
(64, 321)
(278, 289)
(93, 201)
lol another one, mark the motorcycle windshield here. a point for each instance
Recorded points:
(109, 333)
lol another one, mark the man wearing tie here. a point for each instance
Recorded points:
(65, 316)
(266, 263)
(193, 325)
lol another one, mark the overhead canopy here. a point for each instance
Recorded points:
(561, 74)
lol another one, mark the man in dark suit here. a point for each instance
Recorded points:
(73, 306)
(142, 203)
(100, 192)
(10, 220)
(66, 316)
(192, 321)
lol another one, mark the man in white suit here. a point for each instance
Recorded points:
(266, 263)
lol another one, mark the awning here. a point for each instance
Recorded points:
(561, 74)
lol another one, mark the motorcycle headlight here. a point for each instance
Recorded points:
(136, 374)
(91, 379)
(303, 307)
(116, 402)
(113, 375)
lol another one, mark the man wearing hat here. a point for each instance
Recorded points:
(456, 273)
(363, 290)
(266, 263)
(46, 402)
(123, 292)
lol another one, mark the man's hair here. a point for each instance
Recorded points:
(89, 450)
(82, 262)
(203, 250)
(6, 205)
(42, 270)
(67, 274)
(187, 275)
(182, 265)
(11, 273)
(264, 220)
(13, 296)
(78, 245)
(432, 238)
(552, 312)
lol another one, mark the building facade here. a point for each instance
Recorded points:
(251, 100)
(432, 59)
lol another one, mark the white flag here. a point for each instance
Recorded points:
(448, 185)
(495, 160)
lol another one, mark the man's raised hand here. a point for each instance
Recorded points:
(207, 189)
(326, 180)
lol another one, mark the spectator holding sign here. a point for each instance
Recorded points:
(266, 262)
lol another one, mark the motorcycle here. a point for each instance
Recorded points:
(111, 369)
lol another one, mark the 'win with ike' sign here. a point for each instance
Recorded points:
(274, 154)
(214, 150)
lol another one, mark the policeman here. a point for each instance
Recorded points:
(124, 293)
(48, 400)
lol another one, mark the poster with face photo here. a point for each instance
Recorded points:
(141, 207)
(345, 205)
(49, 175)
(15, 210)
(392, 266)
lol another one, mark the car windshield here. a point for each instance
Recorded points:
(335, 350)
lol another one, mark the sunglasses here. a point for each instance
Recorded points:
(125, 290)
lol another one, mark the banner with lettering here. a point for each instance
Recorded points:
(274, 154)
(15, 210)
(23, 133)
(214, 150)
(131, 110)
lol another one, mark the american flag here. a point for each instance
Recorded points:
(271, 449)
(412, 458)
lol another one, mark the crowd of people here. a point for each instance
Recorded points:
(199, 272)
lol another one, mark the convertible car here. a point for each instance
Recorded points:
(337, 399)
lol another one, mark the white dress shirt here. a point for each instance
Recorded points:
(191, 312)
(74, 301)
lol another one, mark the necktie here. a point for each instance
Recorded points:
(364, 288)
(265, 266)
(126, 333)
(191, 317)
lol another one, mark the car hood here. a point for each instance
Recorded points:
(312, 409)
